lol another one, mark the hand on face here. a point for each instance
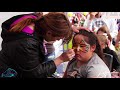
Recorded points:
(68, 55)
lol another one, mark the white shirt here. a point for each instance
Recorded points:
(112, 26)
(110, 22)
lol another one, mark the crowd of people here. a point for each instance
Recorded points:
(28, 42)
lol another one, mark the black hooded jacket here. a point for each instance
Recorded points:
(24, 53)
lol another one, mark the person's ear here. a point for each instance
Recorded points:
(93, 48)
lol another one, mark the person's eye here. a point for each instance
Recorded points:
(82, 45)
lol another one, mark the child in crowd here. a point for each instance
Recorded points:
(87, 62)
(104, 45)
(105, 31)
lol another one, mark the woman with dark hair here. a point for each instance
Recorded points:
(22, 46)
(87, 62)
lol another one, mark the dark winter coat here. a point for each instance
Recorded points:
(24, 53)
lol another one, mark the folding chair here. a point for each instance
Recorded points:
(108, 58)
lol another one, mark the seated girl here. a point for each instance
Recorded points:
(106, 49)
(87, 62)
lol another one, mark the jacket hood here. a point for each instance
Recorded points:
(9, 36)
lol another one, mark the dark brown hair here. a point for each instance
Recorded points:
(57, 23)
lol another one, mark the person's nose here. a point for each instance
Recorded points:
(78, 48)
